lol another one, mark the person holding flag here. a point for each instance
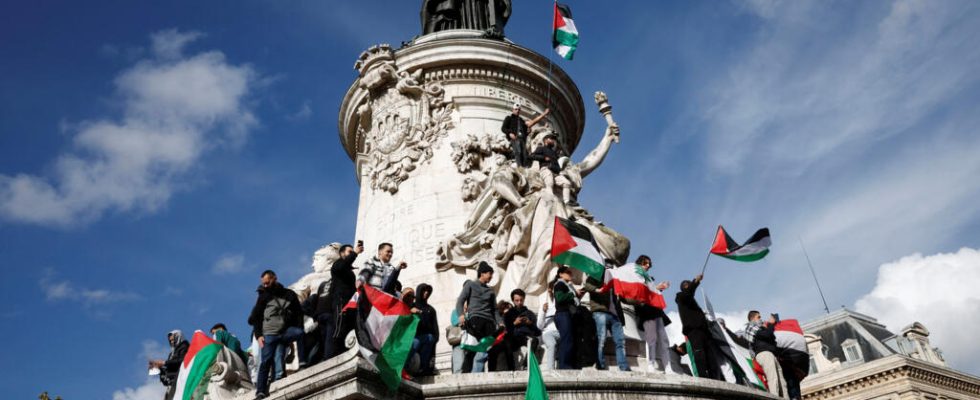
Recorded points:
(480, 319)
(695, 328)
(652, 321)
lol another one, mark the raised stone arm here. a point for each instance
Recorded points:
(597, 155)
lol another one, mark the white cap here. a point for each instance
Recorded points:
(517, 105)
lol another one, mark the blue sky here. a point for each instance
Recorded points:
(154, 158)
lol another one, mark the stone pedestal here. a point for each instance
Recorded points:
(348, 376)
(398, 123)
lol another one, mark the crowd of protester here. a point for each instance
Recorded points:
(565, 332)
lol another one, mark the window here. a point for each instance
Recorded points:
(852, 351)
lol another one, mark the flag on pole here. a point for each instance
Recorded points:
(754, 249)
(194, 375)
(385, 330)
(535, 383)
(572, 245)
(736, 355)
(565, 35)
(632, 282)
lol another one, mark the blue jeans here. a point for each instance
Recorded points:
(425, 346)
(292, 334)
(605, 320)
(268, 360)
(566, 341)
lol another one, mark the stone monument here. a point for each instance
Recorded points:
(422, 124)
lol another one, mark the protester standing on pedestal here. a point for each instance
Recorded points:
(566, 303)
(341, 289)
(652, 321)
(516, 130)
(480, 319)
(695, 327)
(379, 272)
(170, 367)
(277, 321)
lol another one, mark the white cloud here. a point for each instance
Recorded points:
(151, 389)
(939, 291)
(175, 108)
(61, 289)
(154, 350)
(816, 84)
(229, 264)
(169, 43)
(304, 113)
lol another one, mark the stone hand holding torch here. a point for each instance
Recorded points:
(606, 110)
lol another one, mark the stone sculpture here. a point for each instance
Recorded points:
(229, 378)
(323, 259)
(513, 215)
(482, 15)
(401, 119)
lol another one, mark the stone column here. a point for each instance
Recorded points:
(398, 123)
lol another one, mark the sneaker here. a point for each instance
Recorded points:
(261, 396)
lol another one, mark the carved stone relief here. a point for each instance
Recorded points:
(401, 119)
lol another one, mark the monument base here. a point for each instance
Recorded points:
(348, 376)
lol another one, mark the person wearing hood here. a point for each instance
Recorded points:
(277, 321)
(170, 367)
(427, 332)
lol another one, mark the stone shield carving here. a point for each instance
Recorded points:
(402, 119)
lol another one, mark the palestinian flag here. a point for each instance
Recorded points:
(352, 303)
(385, 330)
(572, 245)
(754, 249)
(739, 357)
(480, 345)
(632, 282)
(535, 384)
(195, 371)
(565, 36)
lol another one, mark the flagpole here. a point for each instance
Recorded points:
(808, 263)
(550, 54)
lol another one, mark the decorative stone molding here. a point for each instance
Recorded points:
(476, 156)
(401, 119)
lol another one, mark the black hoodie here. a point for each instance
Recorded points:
(428, 322)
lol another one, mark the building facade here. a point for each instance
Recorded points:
(853, 356)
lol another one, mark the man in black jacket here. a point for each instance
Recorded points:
(170, 367)
(521, 324)
(331, 302)
(516, 130)
(277, 321)
(695, 327)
